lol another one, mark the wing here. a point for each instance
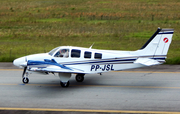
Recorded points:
(50, 66)
(55, 69)
(147, 61)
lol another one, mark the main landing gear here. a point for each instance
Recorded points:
(64, 84)
(64, 77)
(80, 77)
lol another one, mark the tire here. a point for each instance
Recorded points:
(79, 77)
(25, 80)
(64, 84)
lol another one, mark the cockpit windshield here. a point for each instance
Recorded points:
(53, 51)
(62, 53)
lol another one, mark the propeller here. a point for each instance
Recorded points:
(24, 64)
(26, 59)
(25, 68)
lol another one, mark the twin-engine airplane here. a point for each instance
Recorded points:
(66, 60)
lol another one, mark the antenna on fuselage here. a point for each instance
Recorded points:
(91, 46)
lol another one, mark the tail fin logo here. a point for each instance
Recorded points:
(165, 40)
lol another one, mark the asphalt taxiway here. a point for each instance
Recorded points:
(146, 90)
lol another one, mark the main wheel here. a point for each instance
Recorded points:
(80, 77)
(64, 84)
(25, 80)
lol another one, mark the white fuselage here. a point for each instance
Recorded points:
(87, 60)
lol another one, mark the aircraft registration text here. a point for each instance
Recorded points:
(106, 67)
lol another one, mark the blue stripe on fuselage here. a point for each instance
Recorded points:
(112, 61)
(45, 63)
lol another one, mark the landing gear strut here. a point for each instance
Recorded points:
(80, 77)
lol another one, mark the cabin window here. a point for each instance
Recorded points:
(87, 54)
(62, 53)
(75, 53)
(98, 56)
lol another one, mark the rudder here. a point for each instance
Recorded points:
(158, 44)
(164, 41)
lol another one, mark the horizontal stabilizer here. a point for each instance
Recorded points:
(147, 61)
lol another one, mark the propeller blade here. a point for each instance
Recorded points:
(26, 59)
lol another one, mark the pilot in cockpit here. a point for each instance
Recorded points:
(64, 53)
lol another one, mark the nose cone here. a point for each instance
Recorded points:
(20, 62)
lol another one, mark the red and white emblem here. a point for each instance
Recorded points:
(165, 40)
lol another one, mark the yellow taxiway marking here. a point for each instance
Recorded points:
(94, 86)
(8, 84)
(88, 110)
(129, 86)
(11, 69)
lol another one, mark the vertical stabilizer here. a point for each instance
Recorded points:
(158, 44)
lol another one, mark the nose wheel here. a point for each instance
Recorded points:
(25, 80)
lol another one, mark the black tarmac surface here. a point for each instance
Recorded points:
(144, 90)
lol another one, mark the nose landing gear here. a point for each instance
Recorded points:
(25, 78)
